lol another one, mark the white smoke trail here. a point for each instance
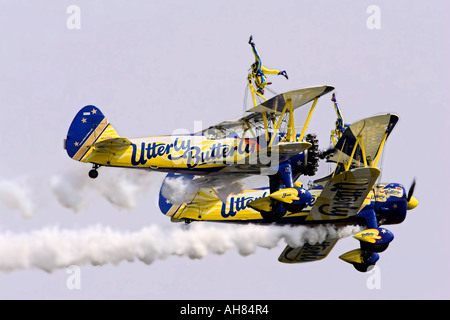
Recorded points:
(74, 189)
(51, 248)
(70, 189)
(16, 196)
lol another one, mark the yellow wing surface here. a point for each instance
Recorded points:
(356, 154)
(299, 98)
(344, 194)
(107, 149)
(267, 114)
(206, 205)
(362, 141)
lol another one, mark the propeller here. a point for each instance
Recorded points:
(412, 201)
(325, 153)
(411, 190)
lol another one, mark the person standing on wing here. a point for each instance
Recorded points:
(259, 71)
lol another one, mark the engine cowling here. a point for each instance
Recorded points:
(306, 162)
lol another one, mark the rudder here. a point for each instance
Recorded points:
(88, 126)
(174, 183)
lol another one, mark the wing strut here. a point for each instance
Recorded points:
(308, 118)
(277, 126)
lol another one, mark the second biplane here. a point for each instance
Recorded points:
(348, 196)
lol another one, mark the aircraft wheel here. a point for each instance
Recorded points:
(93, 173)
(378, 247)
(363, 267)
(294, 207)
(271, 216)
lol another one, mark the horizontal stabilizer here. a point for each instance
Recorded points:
(112, 143)
(102, 151)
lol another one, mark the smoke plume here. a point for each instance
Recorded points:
(74, 189)
(16, 196)
(51, 248)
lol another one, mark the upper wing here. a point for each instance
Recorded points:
(372, 133)
(307, 252)
(253, 124)
(344, 194)
(298, 97)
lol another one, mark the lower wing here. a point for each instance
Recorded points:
(307, 252)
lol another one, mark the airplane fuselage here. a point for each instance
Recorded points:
(388, 201)
(191, 153)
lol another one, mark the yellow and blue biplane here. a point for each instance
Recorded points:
(264, 142)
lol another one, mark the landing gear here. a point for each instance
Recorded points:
(373, 240)
(363, 267)
(93, 173)
(186, 225)
(378, 247)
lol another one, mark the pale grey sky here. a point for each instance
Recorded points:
(156, 66)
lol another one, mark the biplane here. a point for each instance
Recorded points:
(262, 142)
(348, 196)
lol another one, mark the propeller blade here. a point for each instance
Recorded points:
(411, 190)
(325, 153)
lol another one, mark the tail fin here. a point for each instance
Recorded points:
(175, 191)
(88, 126)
